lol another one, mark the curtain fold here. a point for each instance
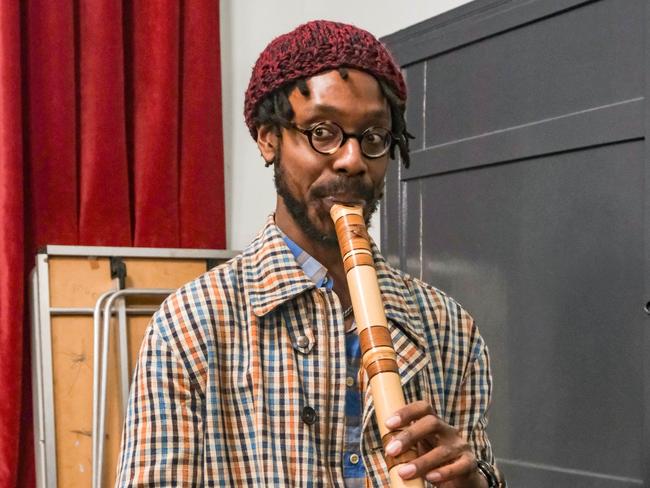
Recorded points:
(156, 124)
(104, 209)
(110, 134)
(50, 135)
(11, 242)
(200, 204)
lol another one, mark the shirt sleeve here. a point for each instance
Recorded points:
(162, 440)
(474, 401)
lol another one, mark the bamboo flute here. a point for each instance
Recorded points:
(378, 355)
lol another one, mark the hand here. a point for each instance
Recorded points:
(443, 455)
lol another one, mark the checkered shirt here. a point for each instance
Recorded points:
(232, 361)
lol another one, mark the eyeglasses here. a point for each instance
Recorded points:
(327, 137)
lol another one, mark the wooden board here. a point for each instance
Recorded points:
(78, 282)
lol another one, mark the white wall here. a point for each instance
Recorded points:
(246, 28)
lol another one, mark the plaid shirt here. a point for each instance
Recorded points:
(241, 376)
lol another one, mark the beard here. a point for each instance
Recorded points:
(298, 209)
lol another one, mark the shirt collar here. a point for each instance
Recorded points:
(270, 271)
(314, 270)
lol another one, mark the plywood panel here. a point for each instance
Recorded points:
(162, 273)
(72, 370)
(72, 343)
(77, 282)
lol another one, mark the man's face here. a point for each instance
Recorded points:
(307, 182)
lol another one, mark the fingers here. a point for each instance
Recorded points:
(419, 424)
(427, 428)
(411, 412)
(464, 466)
(448, 455)
(441, 440)
(426, 463)
(439, 465)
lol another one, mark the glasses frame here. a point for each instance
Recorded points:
(309, 132)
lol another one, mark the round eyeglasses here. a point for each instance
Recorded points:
(327, 137)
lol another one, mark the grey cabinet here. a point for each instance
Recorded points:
(527, 200)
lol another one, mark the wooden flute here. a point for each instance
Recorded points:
(378, 355)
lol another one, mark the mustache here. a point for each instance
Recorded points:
(355, 188)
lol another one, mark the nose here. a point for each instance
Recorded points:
(349, 159)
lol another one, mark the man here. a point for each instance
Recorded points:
(249, 376)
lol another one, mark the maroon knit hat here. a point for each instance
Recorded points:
(315, 47)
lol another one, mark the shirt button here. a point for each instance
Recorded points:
(354, 458)
(349, 381)
(309, 415)
(302, 341)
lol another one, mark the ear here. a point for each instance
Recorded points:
(268, 142)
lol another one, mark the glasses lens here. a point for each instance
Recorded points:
(326, 137)
(375, 141)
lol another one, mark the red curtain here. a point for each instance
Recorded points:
(110, 134)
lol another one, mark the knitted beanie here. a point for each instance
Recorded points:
(315, 47)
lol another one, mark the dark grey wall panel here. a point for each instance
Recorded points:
(470, 23)
(621, 121)
(535, 476)
(561, 64)
(390, 215)
(415, 108)
(548, 256)
(646, 266)
(527, 201)
(411, 232)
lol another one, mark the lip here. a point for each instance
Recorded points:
(342, 200)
